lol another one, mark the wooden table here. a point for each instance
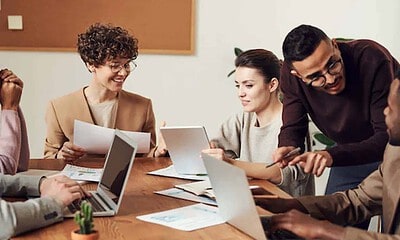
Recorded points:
(139, 199)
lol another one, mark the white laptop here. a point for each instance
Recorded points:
(184, 144)
(118, 164)
(235, 201)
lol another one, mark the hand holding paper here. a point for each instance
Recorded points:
(96, 139)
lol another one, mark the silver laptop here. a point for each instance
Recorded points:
(235, 201)
(185, 144)
(106, 200)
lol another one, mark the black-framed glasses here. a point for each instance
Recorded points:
(319, 81)
(129, 66)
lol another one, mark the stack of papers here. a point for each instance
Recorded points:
(202, 192)
(186, 218)
(171, 172)
(195, 191)
(182, 194)
(202, 188)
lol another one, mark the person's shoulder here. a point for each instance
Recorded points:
(364, 46)
(68, 97)
(238, 115)
(243, 117)
(134, 96)
(235, 118)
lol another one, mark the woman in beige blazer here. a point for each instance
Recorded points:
(108, 53)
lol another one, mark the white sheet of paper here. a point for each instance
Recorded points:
(96, 139)
(82, 173)
(196, 188)
(182, 194)
(171, 172)
(188, 218)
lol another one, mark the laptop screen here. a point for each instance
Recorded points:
(185, 144)
(116, 168)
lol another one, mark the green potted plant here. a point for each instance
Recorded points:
(320, 137)
(84, 219)
(237, 51)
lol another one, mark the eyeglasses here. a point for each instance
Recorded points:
(129, 66)
(320, 80)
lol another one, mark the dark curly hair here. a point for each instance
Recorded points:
(102, 42)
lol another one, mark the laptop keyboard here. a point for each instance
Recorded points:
(76, 205)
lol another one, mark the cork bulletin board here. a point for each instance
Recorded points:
(161, 26)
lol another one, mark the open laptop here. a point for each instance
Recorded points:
(106, 200)
(185, 144)
(235, 201)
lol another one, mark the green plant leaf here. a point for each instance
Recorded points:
(320, 137)
(238, 51)
(232, 72)
(84, 218)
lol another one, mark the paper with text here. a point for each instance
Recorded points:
(82, 173)
(97, 140)
(188, 218)
(182, 194)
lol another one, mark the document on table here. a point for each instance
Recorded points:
(82, 173)
(171, 172)
(96, 139)
(182, 194)
(202, 188)
(186, 218)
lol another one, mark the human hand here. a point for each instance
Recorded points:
(70, 152)
(63, 189)
(276, 204)
(313, 162)
(305, 226)
(280, 156)
(161, 147)
(11, 90)
(217, 153)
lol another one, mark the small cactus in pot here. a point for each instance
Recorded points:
(84, 219)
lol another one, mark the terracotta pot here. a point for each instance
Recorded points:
(75, 235)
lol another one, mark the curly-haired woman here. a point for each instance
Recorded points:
(108, 53)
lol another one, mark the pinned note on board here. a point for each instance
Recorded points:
(15, 22)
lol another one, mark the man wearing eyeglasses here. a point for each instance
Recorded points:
(343, 87)
(319, 217)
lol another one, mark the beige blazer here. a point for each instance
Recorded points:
(134, 113)
(378, 194)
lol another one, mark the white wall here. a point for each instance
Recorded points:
(193, 90)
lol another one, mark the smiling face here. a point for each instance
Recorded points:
(253, 92)
(392, 113)
(106, 79)
(322, 63)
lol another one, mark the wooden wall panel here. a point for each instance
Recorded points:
(162, 26)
